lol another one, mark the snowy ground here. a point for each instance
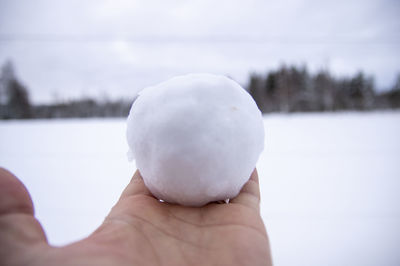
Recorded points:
(330, 182)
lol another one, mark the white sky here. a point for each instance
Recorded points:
(64, 49)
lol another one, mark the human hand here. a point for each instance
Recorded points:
(140, 230)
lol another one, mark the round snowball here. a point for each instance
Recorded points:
(195, 138)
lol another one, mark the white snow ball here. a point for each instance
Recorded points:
(195, 138)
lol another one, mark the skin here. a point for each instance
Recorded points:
(140, 230)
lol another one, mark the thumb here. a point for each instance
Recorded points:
(18, 227)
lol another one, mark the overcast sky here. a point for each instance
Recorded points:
(64, 49)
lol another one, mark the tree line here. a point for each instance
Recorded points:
(295, 89)
(15, 103)
(286, 89)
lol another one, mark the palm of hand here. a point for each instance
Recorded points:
(140, 230)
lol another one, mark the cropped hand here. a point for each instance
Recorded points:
(140, 230)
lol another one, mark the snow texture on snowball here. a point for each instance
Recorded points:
(196, 138)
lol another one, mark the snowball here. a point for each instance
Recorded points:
(195, 138)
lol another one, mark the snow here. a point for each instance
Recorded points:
(329, 182)
(196, 138)
(330, 188)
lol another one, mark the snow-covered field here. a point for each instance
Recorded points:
(330, 182)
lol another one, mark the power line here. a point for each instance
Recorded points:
(212, 39)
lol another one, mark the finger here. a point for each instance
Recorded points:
(136, 187)
(18, 228)
(14, 198)
(250, 193)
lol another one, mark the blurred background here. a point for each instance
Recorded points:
(326, 75)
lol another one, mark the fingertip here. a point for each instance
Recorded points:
(136, 186)
(254, 176)
(250, 193)
(137, 176)
(14, 197)
(252, 186)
